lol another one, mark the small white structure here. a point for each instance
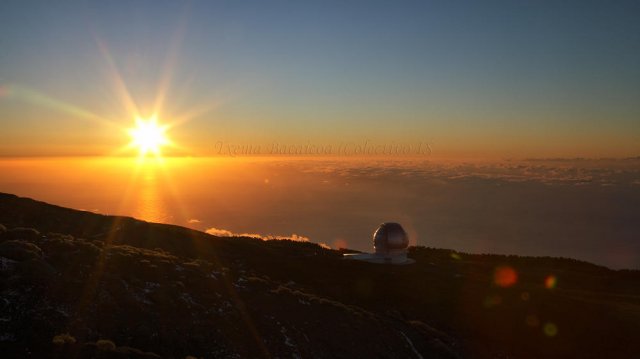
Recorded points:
(390, 242)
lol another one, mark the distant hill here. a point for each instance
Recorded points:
(79, 284)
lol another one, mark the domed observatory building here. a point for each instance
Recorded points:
(390, 242)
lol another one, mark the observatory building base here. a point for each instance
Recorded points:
(379, 258)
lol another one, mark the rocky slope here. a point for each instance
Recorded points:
(78, 284)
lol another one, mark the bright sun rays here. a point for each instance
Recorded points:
(148, 136)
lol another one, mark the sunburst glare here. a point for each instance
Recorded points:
(149, 136)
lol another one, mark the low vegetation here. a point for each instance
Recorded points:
(75, 284)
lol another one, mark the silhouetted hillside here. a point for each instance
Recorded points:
(79, 284)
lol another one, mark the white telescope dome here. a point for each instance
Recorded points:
(390, 237)
(390, 242)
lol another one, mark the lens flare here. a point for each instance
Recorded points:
(550, 281)
(550, 329)
(492, 301)
(340, 243)
(532, 320)
(505, 276)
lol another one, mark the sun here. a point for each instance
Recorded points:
(149, 136)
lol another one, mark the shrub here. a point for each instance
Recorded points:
(62, 339)
(36, 271)
(105, 344)
(20, 251)
(20, 233)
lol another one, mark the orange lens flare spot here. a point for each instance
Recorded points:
(550, 281)
(340, 243)
(532, 320)
(505, 276)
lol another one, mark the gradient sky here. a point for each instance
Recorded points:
(491, 78)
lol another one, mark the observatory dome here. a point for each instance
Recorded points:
(389, 238)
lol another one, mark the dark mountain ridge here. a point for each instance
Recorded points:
(80, 284)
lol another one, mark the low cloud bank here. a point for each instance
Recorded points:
(293, 237)
(225, 233)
